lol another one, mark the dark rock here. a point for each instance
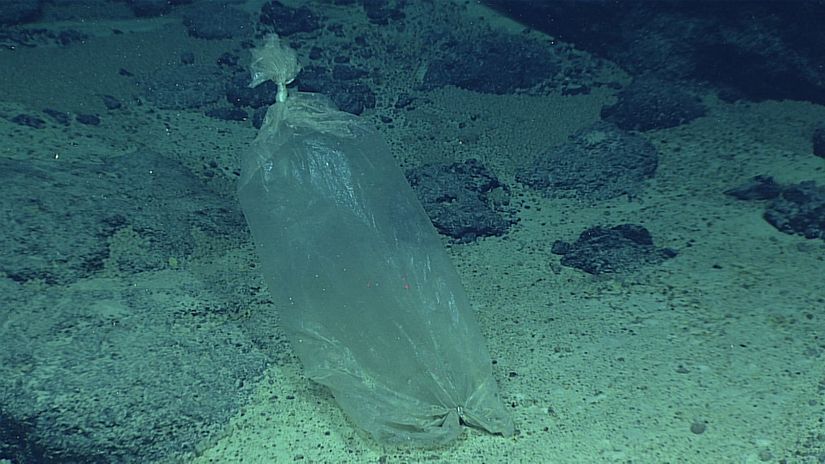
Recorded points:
(70, 36)
(352, 97)
(187, 57)
(217, 20)
(151, 7)
(38, 36)
(88, 119)
(750, 49)
(599, 162)
(650, 103)
(818, 140)
(622, 248)
(347, 73)
(404, 101)
(316, 53)
(229, 60)
(799, 209)
(575, 88)
(287, 21)
(111, 102)
(239, 93)
(258, 117)
(496, 64)
(29, 120)
(457, 197)
(757, 188)
(19, 11)
(10, 38)
(59, 117)
(315, 79)
(793, 209)
(381, 12)
(60, 216)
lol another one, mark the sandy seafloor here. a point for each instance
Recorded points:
(730, 334)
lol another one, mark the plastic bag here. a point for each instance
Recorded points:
(367, 293)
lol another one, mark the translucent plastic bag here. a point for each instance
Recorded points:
(367, 293)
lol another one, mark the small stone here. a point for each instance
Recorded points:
(88, 119)
(187, 57)
(29, 120)
(698, 427)
(60, 117)
(819, 142)
(111, 102)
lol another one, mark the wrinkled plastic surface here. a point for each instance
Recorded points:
(367, 293)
